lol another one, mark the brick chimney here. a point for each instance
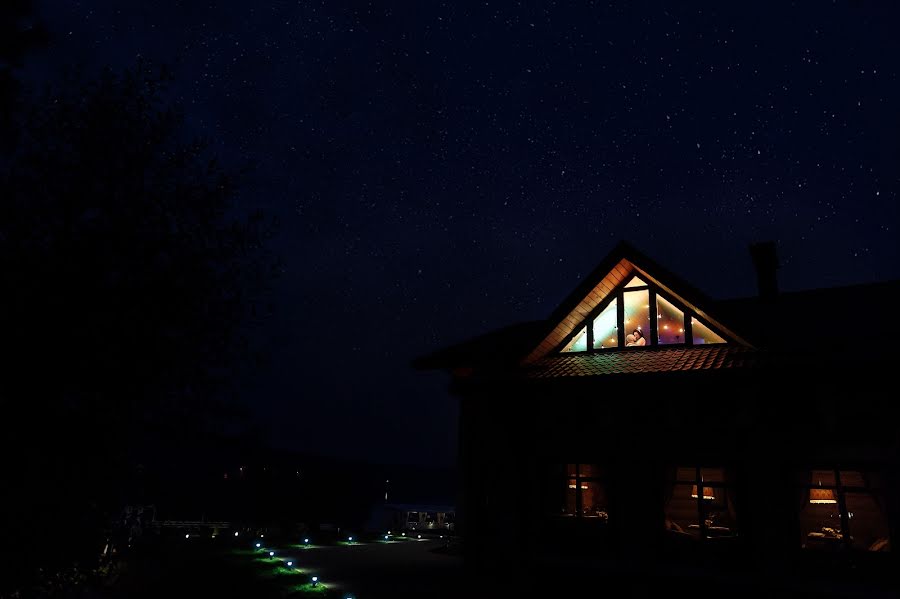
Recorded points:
(765, 259)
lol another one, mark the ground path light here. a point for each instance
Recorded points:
(236, 533)
(315, 581)
(306, 541)
(271, 554)
(187, 536)
(290, 564)
(258, 545)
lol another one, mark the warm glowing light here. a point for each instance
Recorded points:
(666, 327)
(822, 496)
(707, 492)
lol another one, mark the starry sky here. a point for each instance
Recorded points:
(440, 169)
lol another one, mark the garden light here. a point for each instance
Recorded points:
(236, 533)
(419, 537)
(258, 545)
(271, 554)
(187, 536)
(385, 537)
(350, 539)
(315, 580)
(306, 541)
(290, 564)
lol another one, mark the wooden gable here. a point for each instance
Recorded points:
(614, 272)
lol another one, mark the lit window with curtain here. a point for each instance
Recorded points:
(699, 504)
(584, 492)
(843, 509)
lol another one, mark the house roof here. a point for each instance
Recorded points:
(798, 325)
(670, 359)
(619, 265)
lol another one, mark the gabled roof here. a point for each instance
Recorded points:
(619, 265)
(774, 324)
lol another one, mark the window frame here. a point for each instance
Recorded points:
(705, 505)
(618, 295)
(578, 478)
(840, 491)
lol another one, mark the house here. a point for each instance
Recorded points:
(647, 429)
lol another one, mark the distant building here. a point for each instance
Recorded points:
(722, 443)
(413, 518)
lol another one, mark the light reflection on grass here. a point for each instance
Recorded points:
(308, 588)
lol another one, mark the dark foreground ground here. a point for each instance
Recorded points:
(406, 568)
(203, 568)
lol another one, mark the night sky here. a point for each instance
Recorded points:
(443, 169)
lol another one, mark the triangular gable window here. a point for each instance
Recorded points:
(636, 282)
(639, 314)
(703, 334)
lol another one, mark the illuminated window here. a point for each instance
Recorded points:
(606, 332)
(843, 509)
(670, 322)
(700, 504)
(578, 342)
(639, 314)
(637, 318)
(636, 282)
(584, 494)
(703, 334)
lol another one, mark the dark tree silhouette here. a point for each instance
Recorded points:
(19, 34)
(130, 275)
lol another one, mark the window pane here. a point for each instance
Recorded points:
(636, 282)
(605, 330)
(868, 524)
(569, 507)
(709, 493)
(686, 474)
(719, 513)
(671, 322)
(637, 317)
(571, 469)
(822, 478)
(682, 513)
(703, 334)
(712, 475)
(593, 500)
(588, 470)
(820, 523)
(850, 478)
(578, 342)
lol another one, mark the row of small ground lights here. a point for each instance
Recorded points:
(289, 567)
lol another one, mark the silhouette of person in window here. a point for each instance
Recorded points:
(635, 339)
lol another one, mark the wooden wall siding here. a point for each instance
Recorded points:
(581, 311)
